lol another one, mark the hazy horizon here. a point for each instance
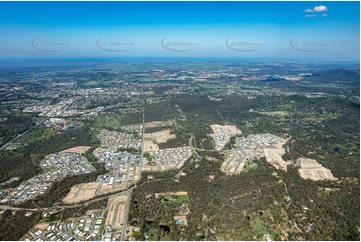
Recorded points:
(266, 30)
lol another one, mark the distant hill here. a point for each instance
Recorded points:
(274, 78)
(339, 75)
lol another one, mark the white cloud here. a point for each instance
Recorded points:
(316, 9)
(324, 15)
(320, 9)
(310, 15)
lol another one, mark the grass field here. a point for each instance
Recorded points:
(175, 198)
(181, 198)
(258, 226)
(112, 121)
(36, 134)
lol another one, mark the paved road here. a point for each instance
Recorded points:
(129, 192)
(8, 207)
(126, 213)
(80, 204)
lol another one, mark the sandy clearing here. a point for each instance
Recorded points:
(275, 113)
(311, 169)
(150, 168)
(178, 193)
(81, 192)
(231, 129)
(42, 226)
(222, 133)
(105, 188)
(274, 157)
(116, 208)
(168, 167)
(151, 140)
(160, 137)
(77, 149)
(158, 124)
(149, 146)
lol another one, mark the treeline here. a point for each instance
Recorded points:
(60, 189)
(14, 164)
(14, 224)
(23, 162)
(13, 125)
(332, 208)
(67, 139)
(246, 198)
(211, 204)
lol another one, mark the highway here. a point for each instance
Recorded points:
(19, 135)
(80, 204)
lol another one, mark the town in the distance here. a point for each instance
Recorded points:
(179, 150)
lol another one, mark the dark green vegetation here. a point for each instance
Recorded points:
(15, 224)
(246, 207)
(315, 125)
(39, 133)
(112, 120)
(68, 213)
(23, 162)
(13, 124)
(322, 122)
(332, 207)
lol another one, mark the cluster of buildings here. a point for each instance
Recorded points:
(49, 110)
(114, 140)
(86, 228)
(55, 122)
(56, 167)
(62, 109)
(222, 134)
(171, 156)
(257, 141)
(67, 164)
(247, 149)
(138, 128)
(124, 167)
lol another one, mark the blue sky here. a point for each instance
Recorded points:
(180, 29)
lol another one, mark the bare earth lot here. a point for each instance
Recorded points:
(158, 124)
(274, 155)
(160, 137)
(149, 145)
(222, 134)
(81, 192)
(151, 140)
(116, 208)
(77, 149)
(311, 169)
